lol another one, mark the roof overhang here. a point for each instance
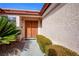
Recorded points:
(24, 12)
(18, 12)
(45, 7)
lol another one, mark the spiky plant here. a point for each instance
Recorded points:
(8, 31)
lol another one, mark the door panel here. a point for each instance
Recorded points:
(28, 29)
(34, 28)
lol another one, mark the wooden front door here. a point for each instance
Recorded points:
(31, 29)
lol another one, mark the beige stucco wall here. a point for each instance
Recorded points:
(62, 26)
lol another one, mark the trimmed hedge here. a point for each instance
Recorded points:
(50, 49)
(57, 50)
(43, 41)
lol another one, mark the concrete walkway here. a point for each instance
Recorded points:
(24, 48)
(31, 48)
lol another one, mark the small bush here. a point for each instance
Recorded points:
(43, 41)
(57, 50)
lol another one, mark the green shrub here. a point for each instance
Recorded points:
(8, 31)
(57, 50)
(53, 50)
(43, 41)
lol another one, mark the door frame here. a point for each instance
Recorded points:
(22, 24)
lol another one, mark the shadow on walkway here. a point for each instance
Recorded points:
(15, 48)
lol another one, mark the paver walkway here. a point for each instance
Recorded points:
(25, 48)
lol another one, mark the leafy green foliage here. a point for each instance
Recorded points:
(8, 31)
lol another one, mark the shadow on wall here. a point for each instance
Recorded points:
(41, 24)
(55, 8)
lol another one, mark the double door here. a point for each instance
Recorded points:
(31, 29)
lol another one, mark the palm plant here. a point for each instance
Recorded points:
(8, 31)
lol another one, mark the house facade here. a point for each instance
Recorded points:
(59, 22)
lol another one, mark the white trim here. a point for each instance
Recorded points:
(17, 21)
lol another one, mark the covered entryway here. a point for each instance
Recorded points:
(30, 26)
(31, 29)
